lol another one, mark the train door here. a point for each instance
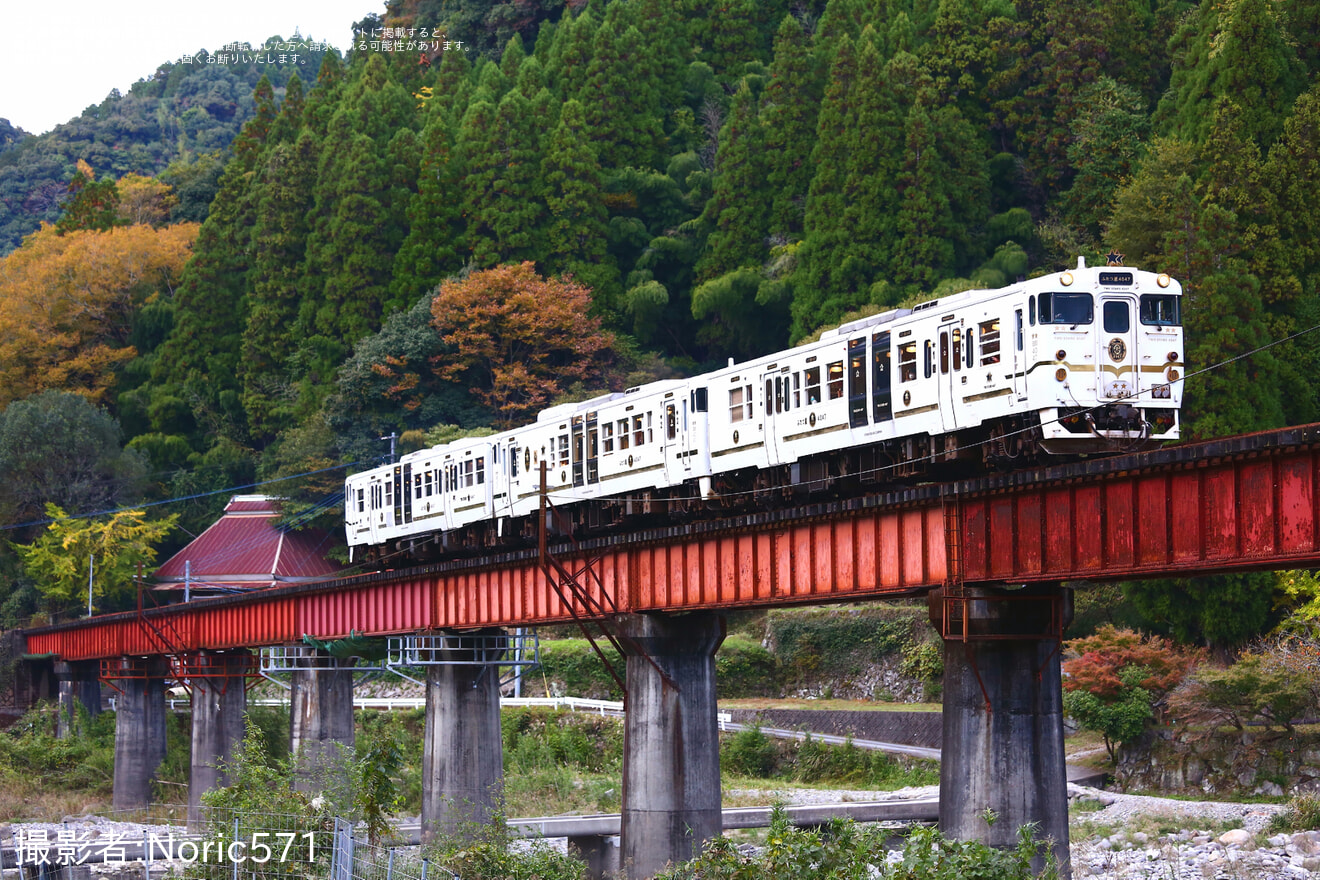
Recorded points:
(857, 399)
(882, 397)
(949, 372)
(1117, 358)
(777, 390)
(579, 451)
(1019, 353)
(402, 494)
(677, 440)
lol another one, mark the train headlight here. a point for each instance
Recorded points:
(1172, 356)
(1163, 280)
(1173, 375)
(1060, 374)
(1060, 355)
(1066, 279)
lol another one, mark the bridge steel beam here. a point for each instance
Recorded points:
(1250, 502)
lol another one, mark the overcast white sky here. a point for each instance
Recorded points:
(51, 73)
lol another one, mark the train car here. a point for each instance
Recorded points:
(1078, 362)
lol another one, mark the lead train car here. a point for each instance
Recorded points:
(1083, 361)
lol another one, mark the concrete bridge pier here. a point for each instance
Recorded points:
(139, 729)
(80, 685)
(320, 719)
(219, 710)
(1003, 761)
(463, 748)
(671, 747)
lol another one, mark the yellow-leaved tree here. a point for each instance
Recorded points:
(67, 304)
(61, 558)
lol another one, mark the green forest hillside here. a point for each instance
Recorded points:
(719, 180)
(177, 123)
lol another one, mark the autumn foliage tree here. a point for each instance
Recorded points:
(1117, 676)
(67, 304)
(108, 549)
(519, 340)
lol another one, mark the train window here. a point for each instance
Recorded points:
(481, 470)
(1031, 305)
(389, 494)
(797, 390)
(1117, 317)
(513, 461)
(1066, 308)
(700, 401)
(907, 361)
(361, 501)
(769, 396)
(639, 435)
(650, 430)
(990, 340)
(563, 449)
(671, 422)
(607, 437)
(1017, 321)
(836, 380)
(957, 348)
(417, 486)
(428, 484)
(1160, 310)
(623, 434)
(813, 386)
(930, 359)
(969, 348)
(740, 403)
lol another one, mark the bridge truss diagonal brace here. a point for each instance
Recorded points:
(572, 586)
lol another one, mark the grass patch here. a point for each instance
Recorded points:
(1301, 814)
(750, 755)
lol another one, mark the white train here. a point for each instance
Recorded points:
(1082, 361)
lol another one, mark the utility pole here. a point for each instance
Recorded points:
(91, 569)
(393, 438)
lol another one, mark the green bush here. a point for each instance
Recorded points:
(489, 857)
(83, 762)
(748, 753)
(578, 669)
(838, 640)
(743, 668)
(1257, 688)
(846, 851)
(924, 660)
(1301, 814)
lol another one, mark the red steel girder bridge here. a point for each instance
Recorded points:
(1247, 502)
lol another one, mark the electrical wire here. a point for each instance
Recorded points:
(228, 491)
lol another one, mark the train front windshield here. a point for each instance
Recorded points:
(1066, 308)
